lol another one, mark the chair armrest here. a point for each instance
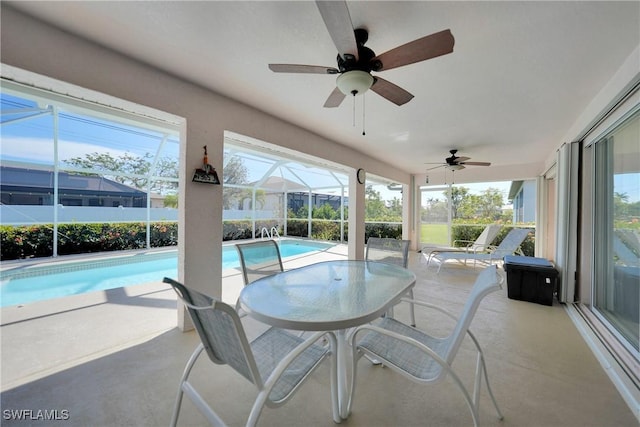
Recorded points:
(491, 248)
(443, 311)
(428, 305)
(469, 242)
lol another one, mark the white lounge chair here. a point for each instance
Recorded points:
(481, 244)
(509, 246)
(424, 358)
(624, 244)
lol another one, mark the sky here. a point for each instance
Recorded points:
(28, 129)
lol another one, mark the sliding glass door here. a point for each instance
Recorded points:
(616, 296)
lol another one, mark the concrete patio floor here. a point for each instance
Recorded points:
(114, 358)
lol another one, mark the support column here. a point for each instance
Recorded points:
(356, 217)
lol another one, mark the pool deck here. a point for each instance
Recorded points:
(149, 307)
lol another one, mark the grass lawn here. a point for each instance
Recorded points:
(434, 234)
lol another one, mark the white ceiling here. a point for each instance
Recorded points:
(520, 75)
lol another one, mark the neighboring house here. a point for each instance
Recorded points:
(20, 186)
(523, 196)
(297, 196)
(299, 199)
(157, 200)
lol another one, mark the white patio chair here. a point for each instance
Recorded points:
(392, 251)
(481, 244)
(509, 246)
(630, 237)
(276, 362)
(424, 358)
(259, 259)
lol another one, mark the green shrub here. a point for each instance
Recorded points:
(298, 228)
(37, 241)
(325, 230)
(27, 241)
(236, 230)
(379, 229)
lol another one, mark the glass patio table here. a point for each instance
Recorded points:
(328, 296)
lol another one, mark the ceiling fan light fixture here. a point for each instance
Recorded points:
(354, 82)
(455, 167)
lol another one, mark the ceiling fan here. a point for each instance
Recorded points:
(455, 163)
(355, 61)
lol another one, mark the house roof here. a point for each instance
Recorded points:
(13, 177)
(514, 188)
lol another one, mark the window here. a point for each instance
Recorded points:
(67, 162)
(460, 212)
(267, 191)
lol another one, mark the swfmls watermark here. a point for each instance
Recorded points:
(35, 414)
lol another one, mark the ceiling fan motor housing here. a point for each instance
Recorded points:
(365, 56)
(452, 160)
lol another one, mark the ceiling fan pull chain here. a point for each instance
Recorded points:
(363, 115)
(354, 110)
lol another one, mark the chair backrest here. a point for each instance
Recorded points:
(489, 280)
(388, 250)
(487, 236)
(220, 330)
(259, 259)
(511, 242)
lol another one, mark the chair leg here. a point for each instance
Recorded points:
(483, 366)
(185, 375)
(412, 314)
(467, 398)
(256, 410)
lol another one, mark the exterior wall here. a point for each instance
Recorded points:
(524, 203)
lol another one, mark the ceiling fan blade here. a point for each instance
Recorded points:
(462, 159)
(418, 50)
(475, 163)
(335, 99)
(388, 90)
(436, 167)
(335, 15)
(308, 69)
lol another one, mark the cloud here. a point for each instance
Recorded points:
(40, 150)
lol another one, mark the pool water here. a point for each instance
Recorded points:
(37, 283)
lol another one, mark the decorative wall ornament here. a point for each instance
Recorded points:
(207, 174)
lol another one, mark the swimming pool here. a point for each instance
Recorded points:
(53, 280)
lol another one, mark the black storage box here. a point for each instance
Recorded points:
(530, 279)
